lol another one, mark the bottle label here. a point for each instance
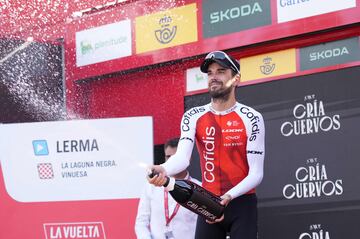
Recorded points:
(205, 203)
(200, 210)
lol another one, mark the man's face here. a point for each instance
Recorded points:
(220, 81)
(169, 151)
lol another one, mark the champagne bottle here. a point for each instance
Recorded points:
(194, 197)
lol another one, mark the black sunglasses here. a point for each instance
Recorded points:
(219, 55)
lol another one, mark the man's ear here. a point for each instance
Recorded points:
(237, 79)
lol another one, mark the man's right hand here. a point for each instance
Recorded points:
(160, 177)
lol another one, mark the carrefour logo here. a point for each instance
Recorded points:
(40, 147)
(289, 10)
(285, 3)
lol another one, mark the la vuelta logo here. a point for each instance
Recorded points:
(315, 232)
(89, 230)
(310, 117)
(313, 181)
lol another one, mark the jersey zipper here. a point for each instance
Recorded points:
(219, 150)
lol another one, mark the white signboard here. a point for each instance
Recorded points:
(103, 43)
(195, 80)
(288, 10)
(76, 160)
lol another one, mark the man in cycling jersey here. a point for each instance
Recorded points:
(230, 140)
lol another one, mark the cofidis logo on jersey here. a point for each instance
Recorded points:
(90, 230)
(168, 28)
(313, 181)
(310, 117)
(254, 120)
(316, 231)
(185, 126)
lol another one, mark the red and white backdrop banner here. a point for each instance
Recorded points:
(73, 179)
(143, 33)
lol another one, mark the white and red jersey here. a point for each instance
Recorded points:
(230, 145)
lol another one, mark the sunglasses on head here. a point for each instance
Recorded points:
(219, 55)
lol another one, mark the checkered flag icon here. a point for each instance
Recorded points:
(45, 171)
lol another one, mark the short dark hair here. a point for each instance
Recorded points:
(173, 143)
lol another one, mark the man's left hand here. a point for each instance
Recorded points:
(226, 198)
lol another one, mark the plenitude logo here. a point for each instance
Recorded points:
(310, 118)
(316, 231)
(313, 181)
(103, 43)
(88, 47)
(89, 230)
(195, 80)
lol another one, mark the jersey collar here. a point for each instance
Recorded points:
(224, 112)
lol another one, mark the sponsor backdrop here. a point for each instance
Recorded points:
(73, 179)
(268, 65)
(195, 79)
(292, 10)
(103, 43)
(162, 31)
(285, 62)
(310, 188)
(167, 28)
(223, 17)
(330, 53)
